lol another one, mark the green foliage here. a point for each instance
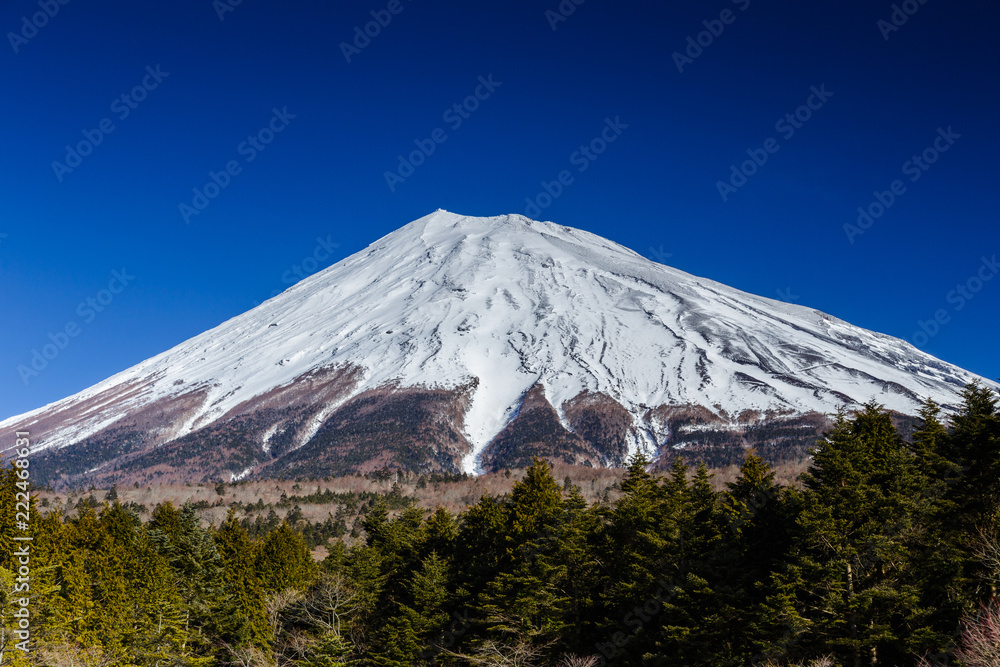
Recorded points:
(283, 560)
(889, 551)
(330, 650)
(851, 561)
(243, 616)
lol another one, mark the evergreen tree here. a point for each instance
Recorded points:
(140, 612)
(639, 546)
(535, 501)
(930, 447)
(694, 625)
(440, 533)
(480, 546)
(848, 574)
(196, 569)
(329, 651)
(937, 558)
(578, 584)
(758, 515)
(975, 446)
(524, 603)
(243, 618)
(363, 567)
(10, 486)
(418, 619)
(283, 560)
(889, 546)
(963, 472)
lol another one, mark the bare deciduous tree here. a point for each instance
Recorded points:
(981, 638)
(71, 655)
(573, 660)
(328, 602)
(322, 608)
(277, 603)
(825, 661)
(246, 655)
(988, 553)
(519, 653)
(497, 654)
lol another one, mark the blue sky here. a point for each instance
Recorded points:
(154, 98)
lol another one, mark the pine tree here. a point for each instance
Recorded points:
(849, 572)
(975, 445)
(963, 468)
(639, 547)
(535, 501)
(480, 546)
(930, 448)
(196, 571)
(363, 568)
(8, 502)
(524, 603)
(73, 610)
(440, 533)
(10, 652)
(48, 546)
(937, 557)
(140, 612)
(694, 625)
(758, 515)
(283, 560)
(418, 619)
(243, 618)
(330, 650)
(578, 583)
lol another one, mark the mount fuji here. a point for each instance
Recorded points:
(472, 344)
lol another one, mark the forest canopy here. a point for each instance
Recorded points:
(887, 553)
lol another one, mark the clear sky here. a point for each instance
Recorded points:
(115, 112)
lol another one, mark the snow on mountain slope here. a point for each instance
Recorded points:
(507, 303)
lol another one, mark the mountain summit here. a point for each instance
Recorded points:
(465, 343)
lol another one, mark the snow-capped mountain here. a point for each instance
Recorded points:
(470, 343)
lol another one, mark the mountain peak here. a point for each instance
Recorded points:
(447, 328)
(446, 219)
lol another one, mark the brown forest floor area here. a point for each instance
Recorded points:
(454, 495)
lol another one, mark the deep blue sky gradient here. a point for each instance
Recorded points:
(653, 189)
